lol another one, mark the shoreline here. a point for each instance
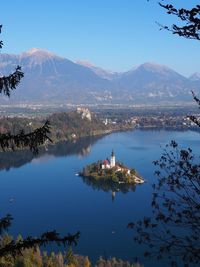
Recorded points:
(104, 133)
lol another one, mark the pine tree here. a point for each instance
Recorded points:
(70, 258)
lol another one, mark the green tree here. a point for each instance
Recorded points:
(60, 260)
(7, 260)
(87, 262)
(70, 258)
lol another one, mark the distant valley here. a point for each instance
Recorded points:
(53, 79)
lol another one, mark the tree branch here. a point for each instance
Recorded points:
(9, 83)
(191, 19)
(16, 247)
(21, 140)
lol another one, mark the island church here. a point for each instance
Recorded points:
(109, 164)
(110, 169)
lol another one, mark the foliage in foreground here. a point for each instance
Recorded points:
(190, 21)
(174, 230)
(13, 247)
(32, 139)
(34, 257)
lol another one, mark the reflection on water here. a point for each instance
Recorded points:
(109, 186)
(44, 158)
(46, 194)
(80, 148)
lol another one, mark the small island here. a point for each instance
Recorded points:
(111, 171)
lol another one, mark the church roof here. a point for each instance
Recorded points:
(106, 162)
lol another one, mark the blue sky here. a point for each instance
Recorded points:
(112, 34)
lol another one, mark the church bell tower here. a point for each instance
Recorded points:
(112, 160)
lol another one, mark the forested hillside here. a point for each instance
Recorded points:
(65, 126)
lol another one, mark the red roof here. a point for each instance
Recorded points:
(106, 162)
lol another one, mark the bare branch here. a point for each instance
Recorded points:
(190, 18)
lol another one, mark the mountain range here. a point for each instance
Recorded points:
(53, 79)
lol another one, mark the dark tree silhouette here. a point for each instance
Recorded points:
(190, 19)
(173, 231)
(9, 83)
(190, 29)
(194, 118)
(32, 140)
(14, 247)
(21, 140)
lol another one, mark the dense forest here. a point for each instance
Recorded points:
(63, 126)
(73, 125)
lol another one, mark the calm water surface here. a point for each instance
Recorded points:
(48, 195)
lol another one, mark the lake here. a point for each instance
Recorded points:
(46, 194)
